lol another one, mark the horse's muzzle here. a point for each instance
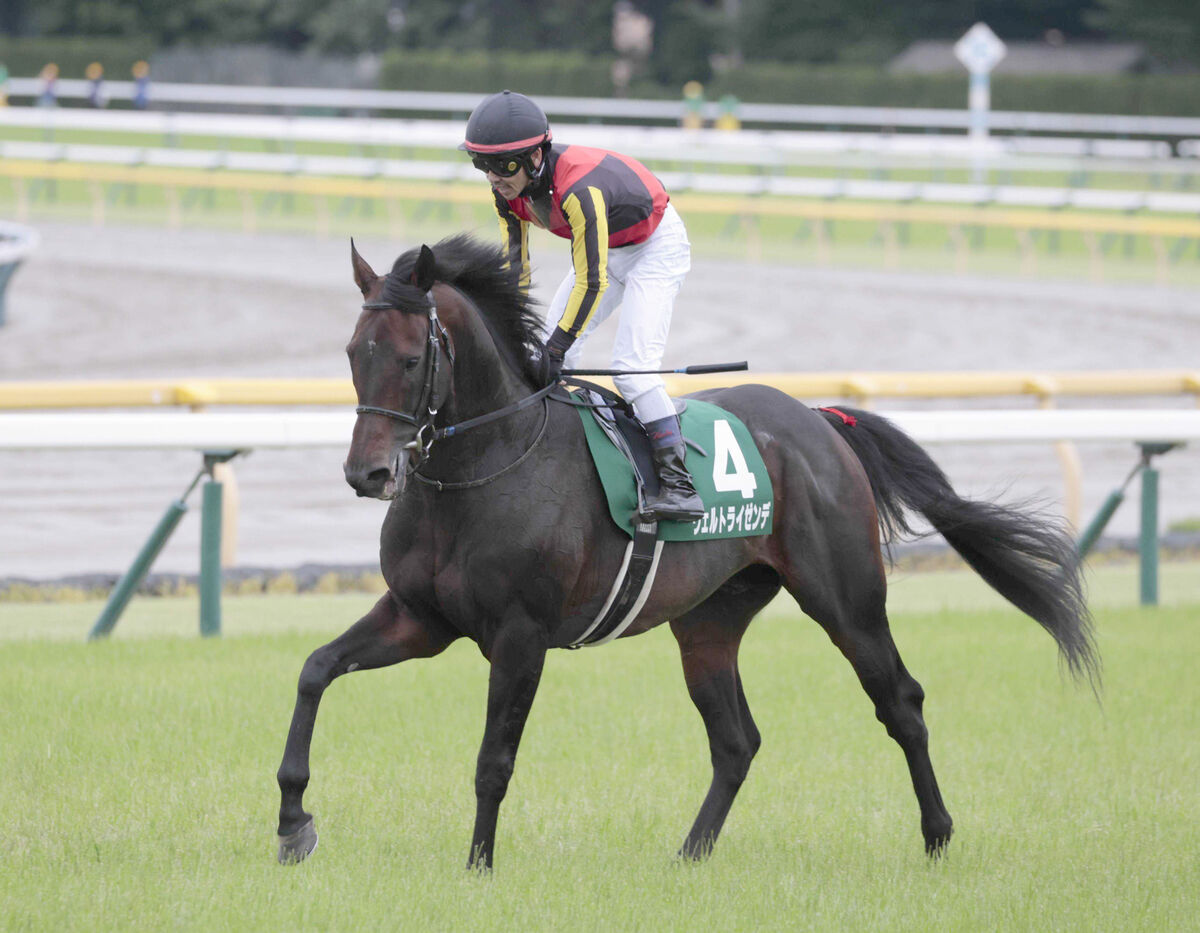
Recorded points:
(378, 481)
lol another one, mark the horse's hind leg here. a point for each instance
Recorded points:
(385, 635)
(849, 605)
(709, 636)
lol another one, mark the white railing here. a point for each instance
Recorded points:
(222, 436)
(762, 149)
(248, 430)
(755, 185)
(592, 108)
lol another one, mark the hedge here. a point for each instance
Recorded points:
(531, 73)
(25, 57)
(1159, 95)
(577, 75)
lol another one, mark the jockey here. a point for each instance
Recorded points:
(629, 248)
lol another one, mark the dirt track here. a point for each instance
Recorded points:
(147, 302)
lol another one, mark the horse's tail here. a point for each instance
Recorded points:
(1028, 558)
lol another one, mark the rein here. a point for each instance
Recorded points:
(427, 433)
(468, 484)
(545, 397)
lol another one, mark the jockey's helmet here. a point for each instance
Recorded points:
(502, 132)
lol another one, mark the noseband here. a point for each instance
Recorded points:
(428, 403)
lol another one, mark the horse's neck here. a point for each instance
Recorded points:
(483, 380)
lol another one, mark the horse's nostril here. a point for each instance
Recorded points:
(376, 478)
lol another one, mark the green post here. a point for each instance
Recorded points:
(210, 543)
(1092, 533)
(125, 588)
(210, 558)
(210, 553)
(1149, 537)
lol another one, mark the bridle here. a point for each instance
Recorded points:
(428, 403)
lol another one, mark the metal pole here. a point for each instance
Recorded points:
(124, 590)
(1148, 537)
(210, 559)
(1092, 533)
(128, 584)
(1148, 545)
(979, 100)
(210, 541)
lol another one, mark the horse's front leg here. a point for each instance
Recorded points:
(386, 635)
(517, 655)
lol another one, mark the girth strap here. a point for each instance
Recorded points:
(631, 589)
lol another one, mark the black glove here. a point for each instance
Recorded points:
(550, 363)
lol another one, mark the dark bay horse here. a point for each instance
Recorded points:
(497, 532)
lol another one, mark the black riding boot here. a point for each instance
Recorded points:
(677, 499)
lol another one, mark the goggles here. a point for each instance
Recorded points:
(505, 165)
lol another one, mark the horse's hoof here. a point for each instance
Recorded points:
(696, 851)
(935, 847)
(299, 845)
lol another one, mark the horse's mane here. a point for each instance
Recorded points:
(480, 271)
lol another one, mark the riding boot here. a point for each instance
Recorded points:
(677, 499)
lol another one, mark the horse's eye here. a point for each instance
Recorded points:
(411, 362)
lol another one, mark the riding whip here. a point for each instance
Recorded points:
(685, 370)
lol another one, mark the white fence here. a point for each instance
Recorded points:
(249, 430)
(662, 111)
(706, 182)
(223, 434)
(768, 155)
(757, 147)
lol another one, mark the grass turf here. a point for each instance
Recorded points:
(139, 780)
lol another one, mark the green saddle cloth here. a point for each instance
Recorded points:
(730, 476)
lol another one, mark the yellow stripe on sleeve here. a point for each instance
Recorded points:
(588, 219)
(515, 234)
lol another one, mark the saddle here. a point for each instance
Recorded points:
(739, 500)
(725, 464)
(616, 419)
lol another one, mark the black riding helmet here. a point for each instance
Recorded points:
(502, 132)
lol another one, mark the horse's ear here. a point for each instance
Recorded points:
(425, 269)
(364, 276)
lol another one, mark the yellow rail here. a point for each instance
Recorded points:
(1088, 221)
(861, 387)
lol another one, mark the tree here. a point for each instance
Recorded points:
(16, 17)
(837, 30)
(1170, 28)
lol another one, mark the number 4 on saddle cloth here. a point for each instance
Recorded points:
(726, 467)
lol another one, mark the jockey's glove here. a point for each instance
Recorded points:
(551, 363)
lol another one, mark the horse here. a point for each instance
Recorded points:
(453, 428)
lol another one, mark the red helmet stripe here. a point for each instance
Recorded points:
(516, 146)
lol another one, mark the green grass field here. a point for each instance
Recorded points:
(139, 791)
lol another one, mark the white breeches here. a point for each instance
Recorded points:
(643, 281)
